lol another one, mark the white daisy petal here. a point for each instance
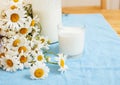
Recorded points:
(9, 63)
(15, 18)
(16, 2)
(61, 62)
(39, 71)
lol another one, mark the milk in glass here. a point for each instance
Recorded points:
(49, 12)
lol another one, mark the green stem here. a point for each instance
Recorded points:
(50, 52)
(52, 62)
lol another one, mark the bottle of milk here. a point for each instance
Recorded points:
(49, 12)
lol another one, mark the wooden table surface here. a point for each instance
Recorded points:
(112, 16)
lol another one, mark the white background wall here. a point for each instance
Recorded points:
(111, 4)
(80, 2)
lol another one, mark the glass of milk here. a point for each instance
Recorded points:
(71, 40)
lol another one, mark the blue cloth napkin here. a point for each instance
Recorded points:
(98, 65)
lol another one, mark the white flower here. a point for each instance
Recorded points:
(16, 44)
(44, 41)
(33, 21)
(19, 45)
(23, 48)
(24, 30)
(24, 60)
(9, 63)
(16, 40)
(61, 62)
(39, 71)
(15, 18)
(39, 57)
(16, 2)
(15, 6)
(35, 44)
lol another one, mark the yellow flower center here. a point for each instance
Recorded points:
(16, 42)
(42, 40)
(62, 63)
(39, 73)
(14, 17)
(2, 55)
(9, 63)
(13, 7)
(22, 48)
(40, 58)
(23, 59)
(23, 31)
(15, 1)
(32, 23)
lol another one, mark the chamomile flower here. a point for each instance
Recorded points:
(24, 30)
(22, 48)
(39, 57)
(16, 41)
(35, 44)
(39, 71)
(33, 21)
(61, 62)
(24, 60)
(15, 18)
(13, 7)
(9, 63)
(16, 2)
(19, 44)
(44, 41)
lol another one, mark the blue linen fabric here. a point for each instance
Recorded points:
(98, 65)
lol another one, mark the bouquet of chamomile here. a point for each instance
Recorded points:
(21, 43)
